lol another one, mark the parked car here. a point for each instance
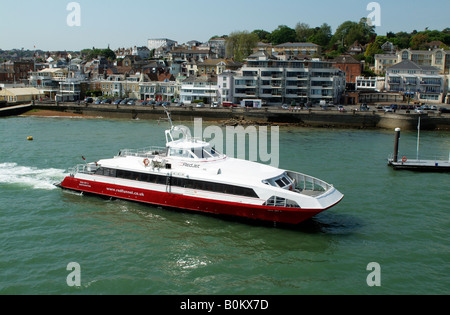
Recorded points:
(107, 101)
(284, 106)
(229, 104)
(117, 102)
(444, 110)
(341, 108)
(144, 103)
(388, 109)
(200, 105)
(88, 100)
(364, 107)
(419, 110)
(98, 102)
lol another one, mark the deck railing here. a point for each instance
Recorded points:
(148, 152)
(305, 183)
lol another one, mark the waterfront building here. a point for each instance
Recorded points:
(437, 57)
(159, 91)
(352, 67)
(373, 84)
(290, 81)
(225, 87)
(13, 95)
(422, 82)
(202, 88)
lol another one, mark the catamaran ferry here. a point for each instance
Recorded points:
(190, 174)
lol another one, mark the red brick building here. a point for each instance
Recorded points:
(352, 67)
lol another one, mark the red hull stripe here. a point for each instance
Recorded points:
(282, 215)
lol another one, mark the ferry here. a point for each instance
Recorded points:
(189, 174)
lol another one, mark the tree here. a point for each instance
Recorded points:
(283, 34)
(419, 41)
(239, 45)
(401, 40)
(322, 35)
(95, 52)
(373, 49)
(262, 35)
(349, 32)
(303, 32)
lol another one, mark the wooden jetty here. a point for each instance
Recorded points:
(417, 164)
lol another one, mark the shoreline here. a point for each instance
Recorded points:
(246, 117)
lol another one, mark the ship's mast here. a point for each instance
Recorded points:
(169, 137)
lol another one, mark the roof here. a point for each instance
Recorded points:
(203, 78)
(411, 65)
(21, 91)
(293, 45)
(346, 59)
(215, 62)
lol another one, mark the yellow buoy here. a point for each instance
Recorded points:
(30, 138)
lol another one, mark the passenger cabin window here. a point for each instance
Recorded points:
(178, 182)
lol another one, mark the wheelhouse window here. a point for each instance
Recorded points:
(283, 181)
(195, 153)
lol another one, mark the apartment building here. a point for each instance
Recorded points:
(296, 49)
(438, 58)
(291, 81)
(420, 82)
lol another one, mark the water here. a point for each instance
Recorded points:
(398, 219)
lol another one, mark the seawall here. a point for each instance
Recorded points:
(312, 118)
(14, 110)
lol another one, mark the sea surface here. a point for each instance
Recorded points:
(399, 220)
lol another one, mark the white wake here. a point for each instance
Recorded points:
(12, 173)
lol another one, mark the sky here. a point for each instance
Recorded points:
(42, 24)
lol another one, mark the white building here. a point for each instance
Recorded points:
(438, 58)
(202, 88)
(142, 52)
(423, 83)
(157, 43)
(291, 81)
(374, 84)
(225, 87)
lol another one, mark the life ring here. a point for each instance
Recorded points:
(146, 162)
(404, 159)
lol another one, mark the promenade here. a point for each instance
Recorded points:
(316, 117)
